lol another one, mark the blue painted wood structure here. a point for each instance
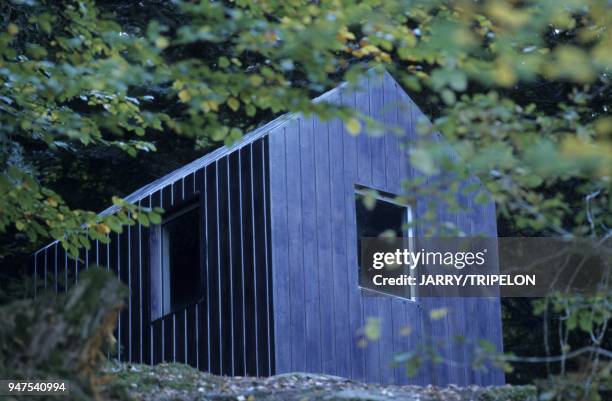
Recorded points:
(279, 256)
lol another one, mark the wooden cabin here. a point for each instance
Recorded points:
(254, 269)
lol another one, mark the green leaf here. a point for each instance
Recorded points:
(143, 219)
(224, 62)
(155, 218)
(413, 366)
(372, 329)
(369, 199)
(256, 80)
(448, 96)
(531, 180)
(572, 321)
(458, 80)
(422, 160)
(585, 322)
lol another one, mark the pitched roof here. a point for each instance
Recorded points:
(218, 153)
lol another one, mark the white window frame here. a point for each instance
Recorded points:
(160, 266)
(408, 232)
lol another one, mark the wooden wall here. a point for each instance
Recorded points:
(314, 168)
(229, 330)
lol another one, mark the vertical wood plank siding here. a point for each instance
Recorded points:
(229, 331)
(314, 168)
(277, 223)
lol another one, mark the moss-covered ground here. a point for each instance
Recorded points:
(177, 382)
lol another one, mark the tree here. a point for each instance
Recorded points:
(80, 75)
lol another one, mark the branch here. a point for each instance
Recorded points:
(558, 358)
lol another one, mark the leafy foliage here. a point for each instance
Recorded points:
(520, 89)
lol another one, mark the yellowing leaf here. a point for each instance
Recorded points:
(563, 19)
(353, 126)
(208, 105)
(437, 314)
(12, 29)
(233, 103)
(572, 62)
(161, 42)
(344, 34)
(603, 125)
(256, 80)
(102, 228)
(596, 155)
(507, 15)
(369, 199)
(184, 95)
(504, 75)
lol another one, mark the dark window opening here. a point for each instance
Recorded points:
(176, 269)
(380, 215)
